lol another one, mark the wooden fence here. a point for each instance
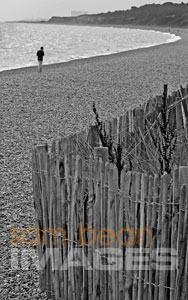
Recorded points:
(101, 242)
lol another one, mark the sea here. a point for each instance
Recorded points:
(19, 42)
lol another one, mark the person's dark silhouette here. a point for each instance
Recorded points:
(40, 54)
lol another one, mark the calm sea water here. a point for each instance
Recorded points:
(20, 42)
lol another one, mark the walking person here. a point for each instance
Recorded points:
(40, 55)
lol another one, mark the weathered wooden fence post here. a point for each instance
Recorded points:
(101, 157)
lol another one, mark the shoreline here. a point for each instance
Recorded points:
(139, 27)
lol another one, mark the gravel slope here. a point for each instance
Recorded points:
(38, 108)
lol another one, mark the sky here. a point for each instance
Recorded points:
(11, 10)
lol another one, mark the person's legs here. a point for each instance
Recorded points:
(40, 66)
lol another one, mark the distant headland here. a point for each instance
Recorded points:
(167, 14)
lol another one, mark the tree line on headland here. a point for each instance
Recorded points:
(167, 14)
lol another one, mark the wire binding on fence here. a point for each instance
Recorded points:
(117, 192)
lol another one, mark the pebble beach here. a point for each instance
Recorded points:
(38, 108)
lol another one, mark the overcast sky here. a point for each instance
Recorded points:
(24, 9)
